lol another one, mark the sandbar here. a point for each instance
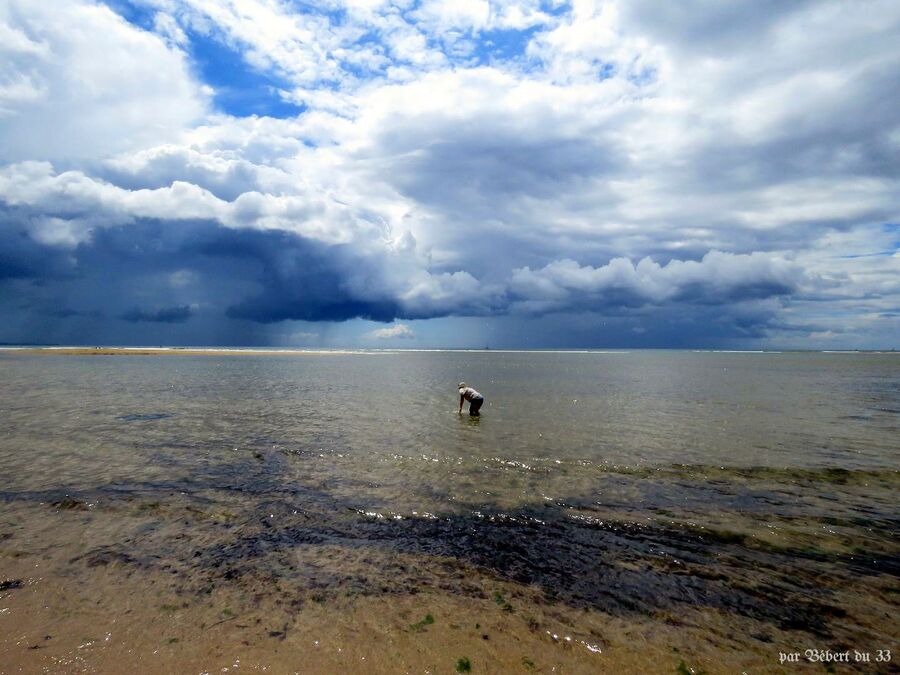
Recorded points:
(175, 351)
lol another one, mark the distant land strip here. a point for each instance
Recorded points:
(168, 351)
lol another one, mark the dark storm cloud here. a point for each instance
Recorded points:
(669, 326)
(284, 276)
(157, 272)
(162, 315)
(153, 272)
(22, 257)
(67, 313)
(306, 280)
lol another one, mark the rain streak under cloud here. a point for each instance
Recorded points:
(522, 174)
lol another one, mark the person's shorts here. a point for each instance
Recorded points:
(475, 405)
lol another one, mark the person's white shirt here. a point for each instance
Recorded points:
(469, 394)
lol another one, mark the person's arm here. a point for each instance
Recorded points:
(461, 399)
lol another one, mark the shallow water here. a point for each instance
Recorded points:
(725, 507)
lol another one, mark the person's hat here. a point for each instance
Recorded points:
(462, 385)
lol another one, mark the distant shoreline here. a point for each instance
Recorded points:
(168, 351)
(262, 351)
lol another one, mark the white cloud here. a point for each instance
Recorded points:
(718, 278)
(300, 46)
(465, 14)
(79, 82)
(73, 194)
(166, 25)
(399, 331)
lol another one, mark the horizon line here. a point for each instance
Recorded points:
(339, 350)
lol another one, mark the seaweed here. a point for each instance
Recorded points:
(419, 626)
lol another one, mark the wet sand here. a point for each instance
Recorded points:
(120, 629)
(110, 580)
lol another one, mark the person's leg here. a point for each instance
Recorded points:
(475, 406)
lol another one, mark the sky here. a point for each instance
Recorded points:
(419, 174)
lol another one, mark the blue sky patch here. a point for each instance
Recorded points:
(239, 89)
(503, 45)
(137, 15)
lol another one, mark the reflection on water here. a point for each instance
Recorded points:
(671, 488)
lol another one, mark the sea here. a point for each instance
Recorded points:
(609, 511)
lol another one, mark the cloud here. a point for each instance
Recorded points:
(717, 279)
(75, 199)
(163, 315)
(66, 313)
(399, 331)
(604, 164)
(78, 81)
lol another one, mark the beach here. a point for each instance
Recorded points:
(254, 510)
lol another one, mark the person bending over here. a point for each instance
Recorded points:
(475, 399)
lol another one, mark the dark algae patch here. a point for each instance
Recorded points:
(69, 504)
(703, 472)
(565, 552)
(573, 562)
(419, 626)
(464, 665)
(501, 601)
(143, 417)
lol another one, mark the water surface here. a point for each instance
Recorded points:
(722, 507)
